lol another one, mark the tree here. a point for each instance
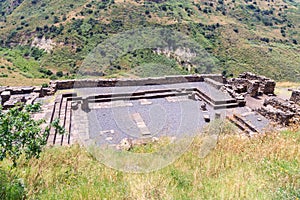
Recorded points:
(20, 134)
(59, 74)
(55, 19)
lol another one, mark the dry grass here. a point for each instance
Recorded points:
(288, 84)
(265, 167)
(22, 81)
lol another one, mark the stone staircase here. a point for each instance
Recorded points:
(61, 111)
(243, 124)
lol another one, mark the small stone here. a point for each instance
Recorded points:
(203, 107)
(206, 118)
(125, 144)
(217, 115)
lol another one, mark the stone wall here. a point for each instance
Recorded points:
(12, 95)
(282, 105)
(69, 84)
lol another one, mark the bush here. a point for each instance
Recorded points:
(59, 74)
(3, 75)
(55, 19)
(20, 134)
(53, 77)
(45, 85)
(11, 187)
(45, 71)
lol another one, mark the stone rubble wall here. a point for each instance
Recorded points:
(295, 96)
(283, 112)
(253, 84)
(284, 118)
(286, 106)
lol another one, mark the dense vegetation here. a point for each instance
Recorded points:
(243, 35)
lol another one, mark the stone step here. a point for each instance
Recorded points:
(67, 124)
(62, 120)
(230, 105)
(52, 134)
(246, 123)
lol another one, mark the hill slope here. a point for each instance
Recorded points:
(242, 35)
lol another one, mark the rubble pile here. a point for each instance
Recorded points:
(283, 112)
(295, 96)
(249, 83)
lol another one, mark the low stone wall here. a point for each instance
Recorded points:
(282, 105)
(69, 84)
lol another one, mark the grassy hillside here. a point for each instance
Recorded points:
(258, 36)
(266, 167)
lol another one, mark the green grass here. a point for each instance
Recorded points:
(266, 167)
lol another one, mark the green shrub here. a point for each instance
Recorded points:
(59, 74)
(3, 75)
(11, 188)
(45, 85)
(53, 77)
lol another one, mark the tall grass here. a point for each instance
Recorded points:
(265, 167)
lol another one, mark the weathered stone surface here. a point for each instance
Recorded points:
(74, 105)
(192, 96)
(69, 84)
(253, 88)
(217, 115)
(215, 84)
(295, 96)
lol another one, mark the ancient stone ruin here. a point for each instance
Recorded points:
(93, 110)
(295, 96)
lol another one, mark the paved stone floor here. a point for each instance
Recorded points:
(173, 117)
